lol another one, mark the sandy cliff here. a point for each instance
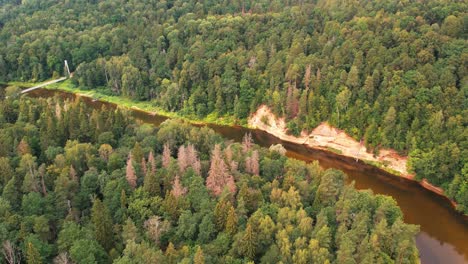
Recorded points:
(327, 137)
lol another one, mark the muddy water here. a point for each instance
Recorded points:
(444, 232)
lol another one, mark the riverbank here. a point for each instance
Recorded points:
(148, 107)
(329, 138)
(332, 139)
(324, 137)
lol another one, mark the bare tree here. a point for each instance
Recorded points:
(155, 228)
(166, 159)
(11, 254)
(73, 174)
(130, 172)
(58, 111)
(247, 142)
(63, 258)
(152, 162)
(252, 164)
(218, 176)
(182, 159)
(177, 188)
(307, 76)
(193, 160)
(144, 169)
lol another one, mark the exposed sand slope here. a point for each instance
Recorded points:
(325, 137)
(330, 138)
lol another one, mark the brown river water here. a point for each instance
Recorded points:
(444, 232)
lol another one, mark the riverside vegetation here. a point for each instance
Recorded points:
(89, 186)
(392, 73)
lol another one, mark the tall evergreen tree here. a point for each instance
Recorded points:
(103, 226)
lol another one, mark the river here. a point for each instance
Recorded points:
(444, 232)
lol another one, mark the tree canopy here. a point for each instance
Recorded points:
(68, 198)
(390, 72)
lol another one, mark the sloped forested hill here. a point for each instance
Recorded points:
(390, 72)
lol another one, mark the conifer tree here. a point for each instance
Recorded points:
(177, 188)
(231, 222)
(137, 152)
(6, 172)
(221, 212)
(32, 255)
(247, 142)
(103, 226)
(249, 243)
(130, 172)
(151, 183)
(218, 176)
(199, 258)
(166, 158)
(144, 167)
(182, 159)
(171, 253)
(152, 162)
(252, 163)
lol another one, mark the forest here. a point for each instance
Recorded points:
(392, 73)
(94, 186)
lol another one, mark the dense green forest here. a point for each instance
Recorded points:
(391, 72)
(93, 186)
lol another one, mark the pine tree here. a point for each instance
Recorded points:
(284, 245)
(247, 142)
(129, 231)
(192, 158)
(218, 176)
(182, 159)
(231, 222)
(166, 158)
(6, 171)
(144, 168)
(103, 226)
(170, 206)
(177, 188)
(152, 162)
(252, 164)
(130, 172)
(137, 152)
(123, 199)
(345, 251)
(292, 101)
(171, 253)
(369, 88)
(248, 247)
(199, 258)
(151, 183)
(221, 213)
(307, 75)
(32, 255)
(353, 78)
(28, 166)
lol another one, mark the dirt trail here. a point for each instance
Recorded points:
(329, 138)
